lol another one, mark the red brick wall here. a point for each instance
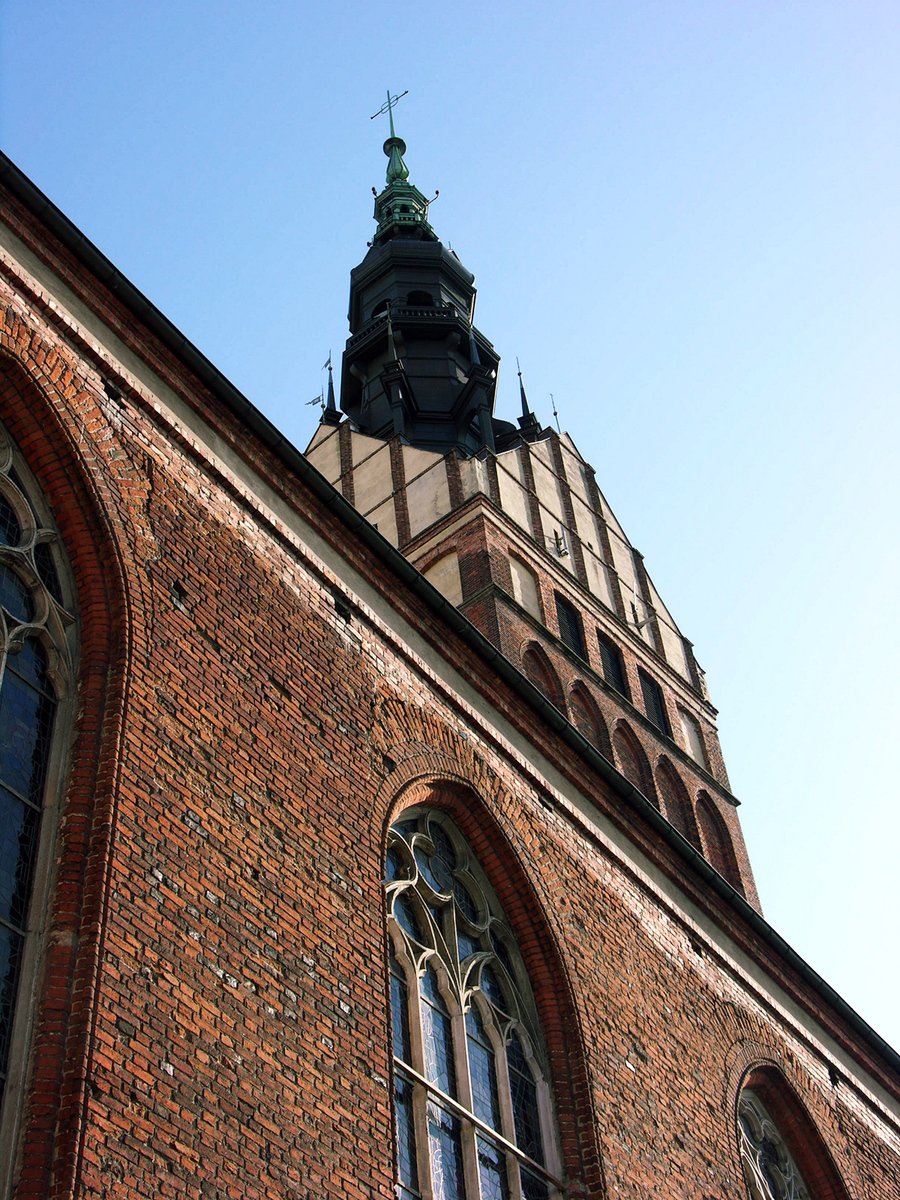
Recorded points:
(212, 1016)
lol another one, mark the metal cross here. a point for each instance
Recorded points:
(388, 107)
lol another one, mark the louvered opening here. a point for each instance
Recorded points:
(570, 626)
(613, 667)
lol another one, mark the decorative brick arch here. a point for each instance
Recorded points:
(515, 889)
(676, 801)
(588, 720)
(39, 395)
(717, 845)
(632, 761)
(799, 1131)
(536, 666)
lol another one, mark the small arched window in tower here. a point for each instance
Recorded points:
(472, 1104)
(420, 299)
(676, 802)
(537, 667)
(717, 843)
(769, 1168)
(37, 634)
(632, 761)
(381, 307)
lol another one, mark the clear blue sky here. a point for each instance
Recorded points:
(683, 219)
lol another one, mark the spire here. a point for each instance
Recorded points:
(330, 414)
(528, 422)
(400, 209)
(526, 411)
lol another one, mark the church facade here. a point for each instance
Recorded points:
(364, 830)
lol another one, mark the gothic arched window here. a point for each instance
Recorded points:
(472, 1102)
(36, 634)
(769, 1169)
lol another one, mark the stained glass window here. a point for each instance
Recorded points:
(36, 633)
(769, 1169)
(473, 1112)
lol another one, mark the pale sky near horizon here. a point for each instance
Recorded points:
(683, 219)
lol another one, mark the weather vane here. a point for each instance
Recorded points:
(388, 107)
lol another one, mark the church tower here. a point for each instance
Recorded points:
(509, 524)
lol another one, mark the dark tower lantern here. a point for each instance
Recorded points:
(414, 365)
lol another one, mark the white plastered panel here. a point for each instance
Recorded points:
(473, 477)
(427, 496)
(444, 575)
(372, 482)
(325, 454)
(513, 496)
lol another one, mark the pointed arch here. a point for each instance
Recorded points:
(632, 761)
(587, 718)
(65, 922)
(676, 802)
(530, 938)
(778, 1140)
(717, 845)
(536, 665)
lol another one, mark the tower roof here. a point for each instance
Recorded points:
(414, 365)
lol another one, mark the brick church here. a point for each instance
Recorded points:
(364, 830)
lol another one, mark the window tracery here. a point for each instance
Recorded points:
(769, 1169)
(472, 1102)
(36, 635)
